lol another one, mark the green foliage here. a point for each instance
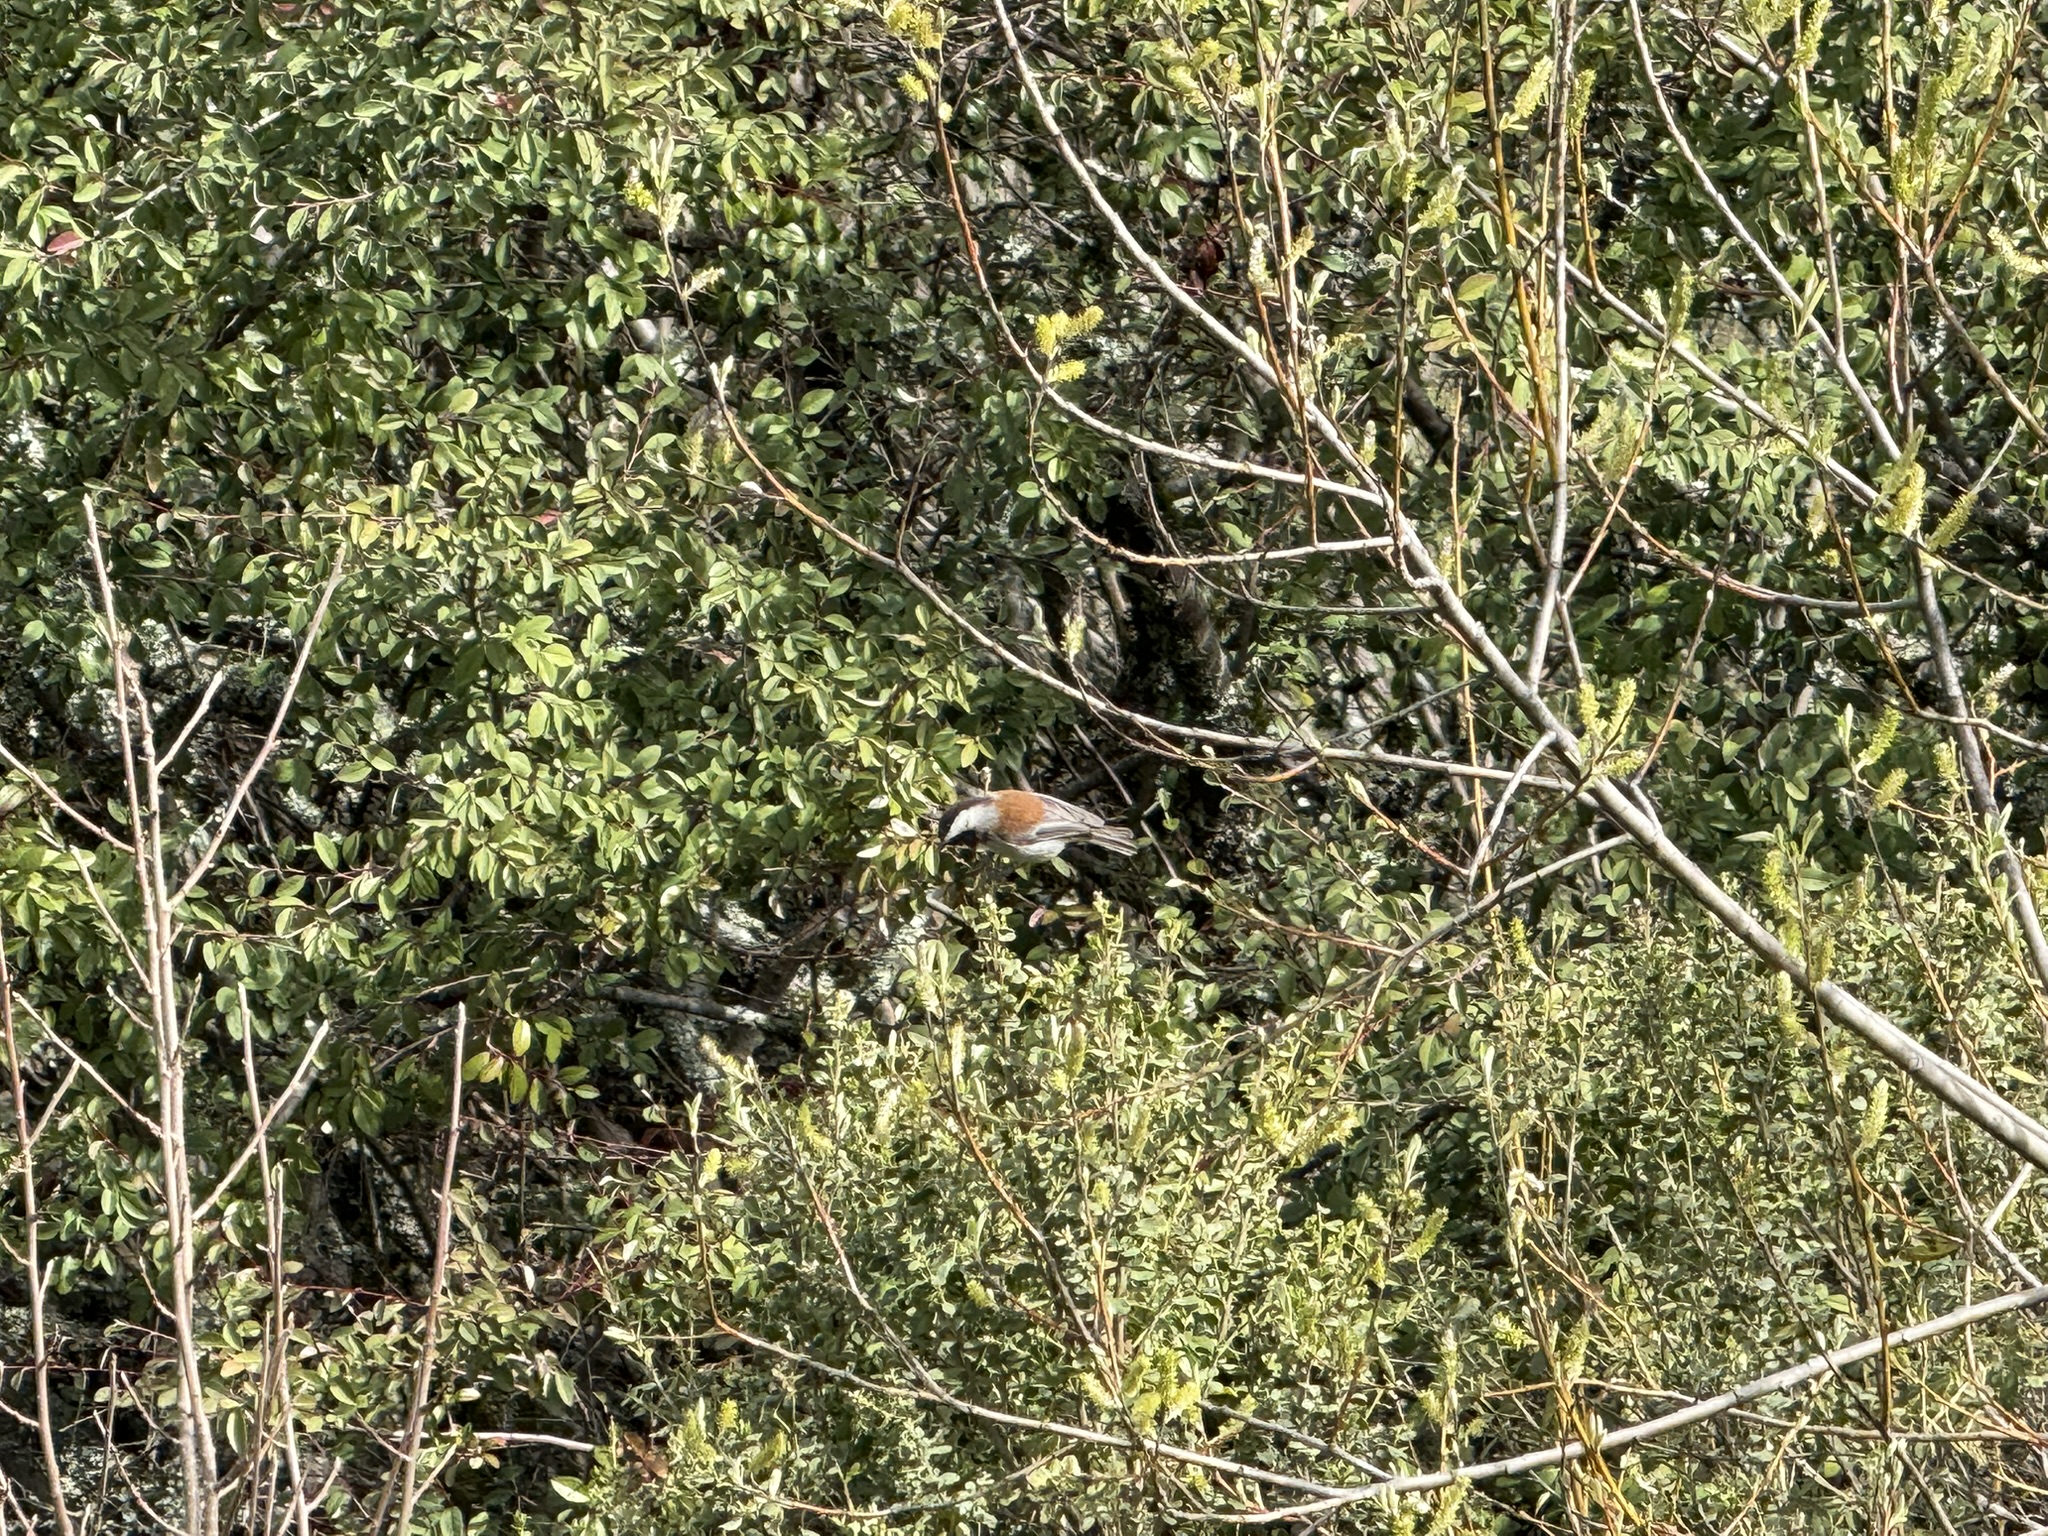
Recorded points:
(1071, 1191)
(700, 521)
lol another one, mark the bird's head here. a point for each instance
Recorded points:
(967, 821)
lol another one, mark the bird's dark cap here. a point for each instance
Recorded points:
(951, 814)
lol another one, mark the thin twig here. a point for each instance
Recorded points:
(1331, 1496)
(521, 1437)
(1977, 774)
(46, 1422)
(48, 793)
(204, 862)
(198, 714)
(405, 1475)
(1838, 360)
(1500, 810)
(1791, 1378)
(285, 1103)
(273, 1233)
(1969, 750)
(1561, 365)
(50, 1034)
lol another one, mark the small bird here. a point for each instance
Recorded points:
(1028, 826)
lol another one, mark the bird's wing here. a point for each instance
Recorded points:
(1064, 822)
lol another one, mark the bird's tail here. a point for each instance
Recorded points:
(1117, 840)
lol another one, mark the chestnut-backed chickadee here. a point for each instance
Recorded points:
(1028, 826)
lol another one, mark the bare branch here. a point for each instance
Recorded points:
(285, 1103)
(50, 1033)
(1837, 359)
(44, 788)
(32, 1264)
(277, 1362)
(1500, 810)
(405, 1475)
(199, 710)
(1790, 1379)
(1326, 1497)
(1977, 774)
(204, 862)
(158, 977)
(1561, 369)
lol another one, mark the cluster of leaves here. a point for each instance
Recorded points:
(701, 406)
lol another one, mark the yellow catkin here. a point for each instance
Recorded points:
(1907, 501)
(1581, 100)
(1807, 54)
(1778, 888)
(1882, 735)
(917, 25)
(1954, 522)
(1788, 1007)
(1874, 1114)
(1534, 92)
(1442, 207)
(1945, 764)
(2019, 261)
(1518, 944)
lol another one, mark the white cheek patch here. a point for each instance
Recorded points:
(976, 820)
